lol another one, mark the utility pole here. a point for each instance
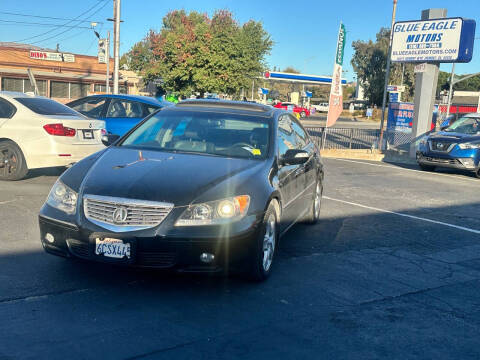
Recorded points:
(116, 44)
(387, 74)
(107, 56)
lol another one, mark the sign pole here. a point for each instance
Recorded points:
(425, 90)
(107, 56)
(387, 74)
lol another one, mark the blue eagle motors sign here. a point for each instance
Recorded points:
(448, 40)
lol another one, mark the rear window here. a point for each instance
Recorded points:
(45, 106)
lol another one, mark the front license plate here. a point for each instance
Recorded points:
(113, 248)
(87, 134)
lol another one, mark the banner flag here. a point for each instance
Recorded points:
(335, 107)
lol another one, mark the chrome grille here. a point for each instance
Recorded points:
(442, 145)
(121, 214)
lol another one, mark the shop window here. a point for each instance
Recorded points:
(100, 88)
(12, 84)
(59, 89)
(78, 90)
(41, 85)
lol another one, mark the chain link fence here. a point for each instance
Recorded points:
(341, 138)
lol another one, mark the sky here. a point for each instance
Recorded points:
(304, 31)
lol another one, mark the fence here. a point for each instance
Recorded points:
(340, 138)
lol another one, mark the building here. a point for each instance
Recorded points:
(61, 76)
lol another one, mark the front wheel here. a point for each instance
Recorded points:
(12, 162)
(264, 247)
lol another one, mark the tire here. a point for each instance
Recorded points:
(264, 246)
(12, 162)
(313, 215)
(303, 114)
(427, 167)
(477, 173)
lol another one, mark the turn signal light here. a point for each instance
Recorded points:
(59, 130)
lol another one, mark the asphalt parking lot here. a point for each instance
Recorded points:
(392, 271)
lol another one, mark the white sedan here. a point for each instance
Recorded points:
(38, 132)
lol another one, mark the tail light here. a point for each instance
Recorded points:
(103, 132)
(59, 130)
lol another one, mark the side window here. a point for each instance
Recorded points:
(148, 109)
(7, 110)
(286, 136)
(300, 135)
(91, 107)
(124, 108)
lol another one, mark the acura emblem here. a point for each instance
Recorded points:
(120, 215)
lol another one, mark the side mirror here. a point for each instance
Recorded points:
(109, 139)
(294, 157)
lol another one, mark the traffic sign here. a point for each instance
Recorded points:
(102, 51)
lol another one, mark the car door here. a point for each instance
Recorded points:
(306, 173)
(122, 115)
(287, 174)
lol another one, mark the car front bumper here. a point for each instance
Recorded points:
(181, 253)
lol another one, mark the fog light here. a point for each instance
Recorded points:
(207, 258)
(468, 162)
(49, 238)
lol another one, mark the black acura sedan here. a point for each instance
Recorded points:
(205, 185)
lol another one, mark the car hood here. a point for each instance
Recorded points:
(177, 178)
(453, 137)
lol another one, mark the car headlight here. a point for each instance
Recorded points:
(215, 212)
(63, 198)
(465, 146)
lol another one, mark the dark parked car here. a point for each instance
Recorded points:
(120, 112)
(457, 146)
(204, 185)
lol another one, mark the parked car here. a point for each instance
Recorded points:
(322, 107)
(120, 112)
(37, 132)
(296, 109)
(203, 185)
(457, 146)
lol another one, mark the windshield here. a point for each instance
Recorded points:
(203, 133)
(465, 125)
(45, 106)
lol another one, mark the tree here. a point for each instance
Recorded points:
(370, 61)
(471, 84)
(193, 53)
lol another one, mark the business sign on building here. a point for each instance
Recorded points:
(52, 56)
(446, 40)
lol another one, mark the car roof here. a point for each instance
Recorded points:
(145, 99)
(225, 105)
(18, 94)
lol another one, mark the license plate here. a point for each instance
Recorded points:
(114, 248)
(87, 134)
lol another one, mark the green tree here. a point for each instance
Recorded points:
(369, 61)
(471, 84)
(193, 52)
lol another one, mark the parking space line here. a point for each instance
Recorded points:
(412, 170)
(405, 215)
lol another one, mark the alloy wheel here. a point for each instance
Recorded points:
(317, 202)
(269, 242)
(9, 162)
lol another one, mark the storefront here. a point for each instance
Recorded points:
(61, 76)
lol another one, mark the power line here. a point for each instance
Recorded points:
(42, 17)
(63, 25)
(13, 22)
